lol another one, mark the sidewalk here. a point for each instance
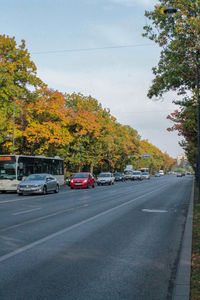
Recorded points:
(181, 289)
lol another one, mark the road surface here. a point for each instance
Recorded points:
(107, 243)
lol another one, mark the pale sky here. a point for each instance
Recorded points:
(96, 47)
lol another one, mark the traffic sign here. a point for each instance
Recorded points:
(147, 155)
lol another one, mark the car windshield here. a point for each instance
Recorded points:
(145, 173)
(81, 176)
(104, 175)
(128, 172)
(34, 177)
(136, 173)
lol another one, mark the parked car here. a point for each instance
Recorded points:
(157, 174)
(105, 178)
(38, 184)
(128, 174)
(119, 176)
(180, 174)
(68, 180)
(137, 175)
(146, 175)
(82, 180)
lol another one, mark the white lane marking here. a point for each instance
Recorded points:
(16, 200)
(33, 197)
(154, 210)
(40, 218)
(26, 211)
(49, 216)
(51, 236)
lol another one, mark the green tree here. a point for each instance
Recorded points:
(18, 81)
(176, 71)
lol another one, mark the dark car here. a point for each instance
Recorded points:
(68, 180)
(180, 174)
(119, 176)
(82, 180)
(38, 184)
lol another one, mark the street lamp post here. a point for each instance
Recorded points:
(13, 136)
(192, 10)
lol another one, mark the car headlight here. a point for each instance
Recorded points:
(72, 180)
(85, 181)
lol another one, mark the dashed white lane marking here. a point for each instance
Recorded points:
(72, 227)
(154, 210)
(26, 211)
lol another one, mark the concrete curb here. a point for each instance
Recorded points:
(181, 290)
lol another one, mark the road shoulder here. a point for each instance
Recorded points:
(181, 290)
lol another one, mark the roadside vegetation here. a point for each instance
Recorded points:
(72, 126)
(178, 37)
(195, 269)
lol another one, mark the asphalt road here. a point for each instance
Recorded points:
(107, 243)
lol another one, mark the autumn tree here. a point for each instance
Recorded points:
(86, 128)
(42, 126)
(176, 71)
(50, 123)
(185, 124)
(18, 81)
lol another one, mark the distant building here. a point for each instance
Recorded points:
(181, 160)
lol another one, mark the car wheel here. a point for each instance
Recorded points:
(57, 189)
(93, 186)
(44, 191)
(20, 194)
(110, 183)
(71, 187)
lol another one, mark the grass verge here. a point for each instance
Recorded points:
(195, 263)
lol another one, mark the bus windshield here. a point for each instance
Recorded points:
(7, 168)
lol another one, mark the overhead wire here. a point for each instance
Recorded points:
(91, 49)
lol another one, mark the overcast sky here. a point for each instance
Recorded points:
(96, 47)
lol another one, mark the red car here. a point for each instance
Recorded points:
(82, 180)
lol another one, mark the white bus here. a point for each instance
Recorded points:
(144, 170)
(14, 168)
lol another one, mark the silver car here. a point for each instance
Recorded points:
(38, 184)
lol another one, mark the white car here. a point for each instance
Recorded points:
(105, 178)
(137, 175)
(146, 175)
(157, 174)
(161, 173)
